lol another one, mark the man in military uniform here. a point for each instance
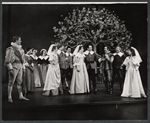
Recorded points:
(14, 61)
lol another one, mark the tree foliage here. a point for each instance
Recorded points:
(92, 25)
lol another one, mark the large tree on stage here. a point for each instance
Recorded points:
(94, 26)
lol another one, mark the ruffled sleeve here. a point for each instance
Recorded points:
(23, 58)
(126, 61)
(9, 58)
(136, 63)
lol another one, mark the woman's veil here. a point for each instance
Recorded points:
(76, 50)
(137, 56)
(50, 49)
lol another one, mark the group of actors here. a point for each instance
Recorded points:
(58, 69)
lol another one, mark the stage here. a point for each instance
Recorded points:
(101, 106)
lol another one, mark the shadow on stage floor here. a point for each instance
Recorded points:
(101, 106)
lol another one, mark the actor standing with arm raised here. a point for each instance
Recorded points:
(62, 64)
(80, 79)
(14, 61)
(91, 58)
(43, 67)
(36, 72)
(28, 82)
(53, 78)
(69, 65)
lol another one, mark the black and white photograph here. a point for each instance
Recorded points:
(71, 61)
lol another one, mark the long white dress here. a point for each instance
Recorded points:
(80, 79)
(53, 77)
(132, 85)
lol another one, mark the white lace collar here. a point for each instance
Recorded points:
(67, 54)
(34, 57)
(59, 51)
(16, 45)
(43, 57)
(119, 54)
(87, 52)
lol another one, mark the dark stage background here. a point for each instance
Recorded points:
(34, 23)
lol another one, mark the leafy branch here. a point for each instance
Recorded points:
(92, 25)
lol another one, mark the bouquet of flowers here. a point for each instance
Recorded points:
(53, 62)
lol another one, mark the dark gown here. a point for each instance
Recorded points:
(43, 67)
(29, 84)
(37, 79)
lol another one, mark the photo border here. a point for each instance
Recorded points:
(77, 121)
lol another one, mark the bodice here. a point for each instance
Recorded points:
(53, 59)
(131, 63)
(79, 59)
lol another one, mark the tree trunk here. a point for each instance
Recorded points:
(95, 50)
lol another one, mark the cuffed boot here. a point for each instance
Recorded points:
(108, 85)
(111, 89)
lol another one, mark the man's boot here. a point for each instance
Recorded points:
(60, 88)
(108, 85)
(111, 89)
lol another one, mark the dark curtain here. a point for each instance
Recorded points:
(34, 23)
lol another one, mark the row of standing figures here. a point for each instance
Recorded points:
(55, 69)
(74, 71)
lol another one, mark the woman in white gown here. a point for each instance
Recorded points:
(133, 85)
(80, 79)
(53, 77)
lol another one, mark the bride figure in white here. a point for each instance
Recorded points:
(133, 85)
(53, 77)
(80, 79)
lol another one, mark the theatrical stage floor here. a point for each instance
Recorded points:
(101, 106)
